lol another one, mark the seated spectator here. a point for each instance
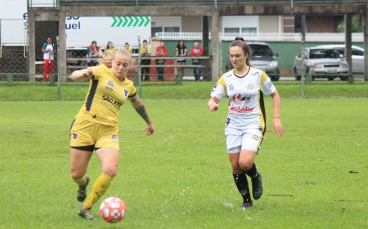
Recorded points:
(128, 48)
(92, 51)
(110, 49)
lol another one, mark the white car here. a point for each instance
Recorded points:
(357, 56)
(321, 63)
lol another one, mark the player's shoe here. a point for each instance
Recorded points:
(247, 204)
(82, 191)
(86, 214)
(257, 188)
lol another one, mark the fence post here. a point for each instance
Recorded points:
(52, 80)
(351, 79)
(179, 79)
(10, 80)
(136, 80)
(308, 79)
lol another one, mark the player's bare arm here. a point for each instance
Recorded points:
(84, 74)
(277, 126)
(141, 110)
(213, 104)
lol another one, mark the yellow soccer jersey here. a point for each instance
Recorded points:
(246, 106)
(106, 94)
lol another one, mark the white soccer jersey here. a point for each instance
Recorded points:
(246, 106)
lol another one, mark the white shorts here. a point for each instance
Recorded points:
(248, 139)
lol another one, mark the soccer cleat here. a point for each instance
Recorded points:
(247, 204)
(82, 191)
(86, 214)
(257, 188)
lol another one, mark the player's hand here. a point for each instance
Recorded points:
(149, 129)
(213, 106)
(277, 127)
(89, 72)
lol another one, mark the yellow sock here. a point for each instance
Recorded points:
(102, 183)
(81, 181)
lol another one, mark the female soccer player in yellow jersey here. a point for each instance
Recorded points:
(246, 120)
(96, 125)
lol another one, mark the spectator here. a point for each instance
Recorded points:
(161, 51)
(110, 49)
(145, 52)
(128, 48)
(92, 51)
(48, 50)
(181, 50)
(196, 51)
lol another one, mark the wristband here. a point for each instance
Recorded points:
(276, 117)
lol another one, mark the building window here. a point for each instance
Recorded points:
(155, 30)
(249, 32)
(172, 29)
(231, 32)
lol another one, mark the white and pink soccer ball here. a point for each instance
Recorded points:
(112, 210)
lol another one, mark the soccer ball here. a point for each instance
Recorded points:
(112, 210)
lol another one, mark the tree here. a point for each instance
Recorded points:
(355, 25)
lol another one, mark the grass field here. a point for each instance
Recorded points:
(24, 91)
(316, 176)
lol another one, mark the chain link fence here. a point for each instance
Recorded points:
(13, 49)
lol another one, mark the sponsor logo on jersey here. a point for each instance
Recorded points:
(231, 87)
(250, 86)
(111, 100)
(126, 92)
(269, 84)
(110, 85)
(114, 138)
(75, 136)
(242, 110)
(239, 98)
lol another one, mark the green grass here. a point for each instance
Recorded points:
(24, 91)
(180, 177)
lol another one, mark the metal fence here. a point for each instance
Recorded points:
(13, 49)
(57, 3)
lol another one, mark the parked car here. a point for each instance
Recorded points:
(261, 58)
(321, 63)
(357, 56)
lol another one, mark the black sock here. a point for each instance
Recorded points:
(252, 172)
(241, 182)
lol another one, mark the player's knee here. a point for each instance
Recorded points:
(236, 169)
(75, 174)
(111, 171)
(245, 165)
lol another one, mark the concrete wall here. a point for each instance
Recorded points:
(269, 24)
(314, 24)
(191, 24)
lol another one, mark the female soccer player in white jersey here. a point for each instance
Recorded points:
(96, 125)
(246, 120)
